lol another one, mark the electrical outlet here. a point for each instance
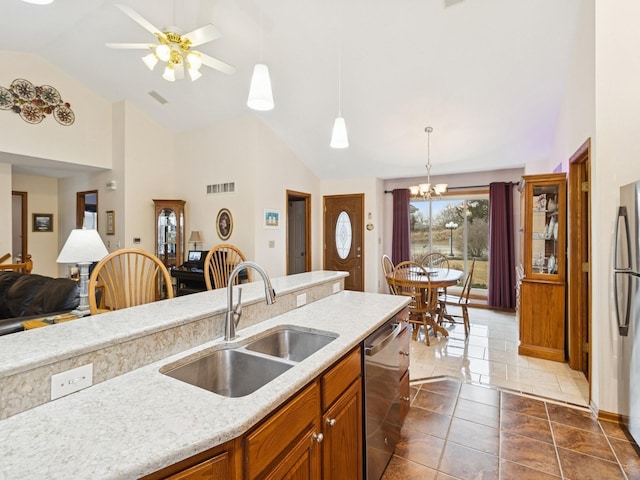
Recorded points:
(336, 287)
(301, 300)
(64, 383)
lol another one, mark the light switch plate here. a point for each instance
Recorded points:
(71, 381)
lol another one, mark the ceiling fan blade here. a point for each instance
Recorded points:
(139, 19)
(217, 64)
(132, 46)
(203, 34)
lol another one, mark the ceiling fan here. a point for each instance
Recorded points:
(174, 48)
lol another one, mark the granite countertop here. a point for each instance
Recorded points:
(142, 421)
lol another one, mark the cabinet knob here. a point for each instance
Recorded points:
(318, 437)
(406, 399)
(331, 422)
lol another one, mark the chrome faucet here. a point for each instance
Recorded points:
(234, 313)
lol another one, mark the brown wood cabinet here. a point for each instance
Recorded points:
(542, 292)
(169, 218)
(316, 434)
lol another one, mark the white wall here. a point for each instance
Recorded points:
(248, 153)
(616, 154)
(86, 142)
(42, 197)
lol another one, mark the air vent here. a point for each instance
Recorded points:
(219, 188)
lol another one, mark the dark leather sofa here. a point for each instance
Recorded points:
(25, 296)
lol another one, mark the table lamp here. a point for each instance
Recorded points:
(195, 238)
(83, 247)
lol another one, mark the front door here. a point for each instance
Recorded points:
(343, 234)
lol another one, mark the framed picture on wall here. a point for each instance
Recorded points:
(43, 222)
(111, 222)
(272, 219)
(224, 224)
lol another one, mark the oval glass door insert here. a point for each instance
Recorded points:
(343, 235)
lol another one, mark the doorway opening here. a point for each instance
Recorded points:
(87, 209)
(298, 232)
(19, 236)
(579, 260)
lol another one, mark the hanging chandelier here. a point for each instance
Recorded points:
(426, 190)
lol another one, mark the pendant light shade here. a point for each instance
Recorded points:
(339, 138)
(260, 95)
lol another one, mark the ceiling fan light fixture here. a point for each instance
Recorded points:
(260, 94)
(150, 60)
(163, 52)
(169, 73)
(339, 138)
(194, 74)
(194, 61)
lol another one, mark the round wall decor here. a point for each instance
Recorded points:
(224, 224)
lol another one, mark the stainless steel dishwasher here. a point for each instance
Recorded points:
(381, 397)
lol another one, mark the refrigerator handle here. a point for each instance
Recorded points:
(622, 297)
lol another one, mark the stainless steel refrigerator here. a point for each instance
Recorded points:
(626, 284)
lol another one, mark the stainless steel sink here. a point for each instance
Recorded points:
(291, 344)
(231, 372)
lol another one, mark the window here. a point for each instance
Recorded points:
(456, 226)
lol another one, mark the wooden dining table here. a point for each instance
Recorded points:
(438, 278)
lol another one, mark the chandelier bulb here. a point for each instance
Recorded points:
(163, 52)
(169, 74)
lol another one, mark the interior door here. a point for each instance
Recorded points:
(343, 235)
(298, 232)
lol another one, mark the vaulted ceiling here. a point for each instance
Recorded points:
(487, 75)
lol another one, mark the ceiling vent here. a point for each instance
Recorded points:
(218, 188)
(159, 98)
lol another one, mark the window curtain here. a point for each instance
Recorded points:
(401, 240)
(502, 269)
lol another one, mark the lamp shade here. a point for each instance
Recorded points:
(82, 246)
(195, 237)
(260, 95)
(339, 137)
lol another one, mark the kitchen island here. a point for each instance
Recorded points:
(142, 421)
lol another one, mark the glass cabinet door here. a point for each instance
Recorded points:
(544, 233)
(170, 231)
(544, 241)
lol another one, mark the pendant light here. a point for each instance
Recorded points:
(260, 94)
(339, 138)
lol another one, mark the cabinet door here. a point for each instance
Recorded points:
(302, 461)
(268, 447)
(342, 446)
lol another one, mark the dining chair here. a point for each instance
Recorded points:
(435, 260)
(411, 279)
(220, 262)
(461, 301)
(387, 268)
(126, 278)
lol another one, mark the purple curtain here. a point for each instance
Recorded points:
(502, 281)
(401, 241)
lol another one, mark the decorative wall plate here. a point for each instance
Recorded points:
(6, 99)
(33, 103)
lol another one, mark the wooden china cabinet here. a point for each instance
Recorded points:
(170, 231)
(542, 292)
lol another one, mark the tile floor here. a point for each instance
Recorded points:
(481, 411)
(490, 356)
(461, 431)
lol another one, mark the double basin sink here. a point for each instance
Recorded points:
(239, 371)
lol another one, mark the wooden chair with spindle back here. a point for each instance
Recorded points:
(220, 262)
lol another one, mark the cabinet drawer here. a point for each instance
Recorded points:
(338, 379)
(276, 433)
